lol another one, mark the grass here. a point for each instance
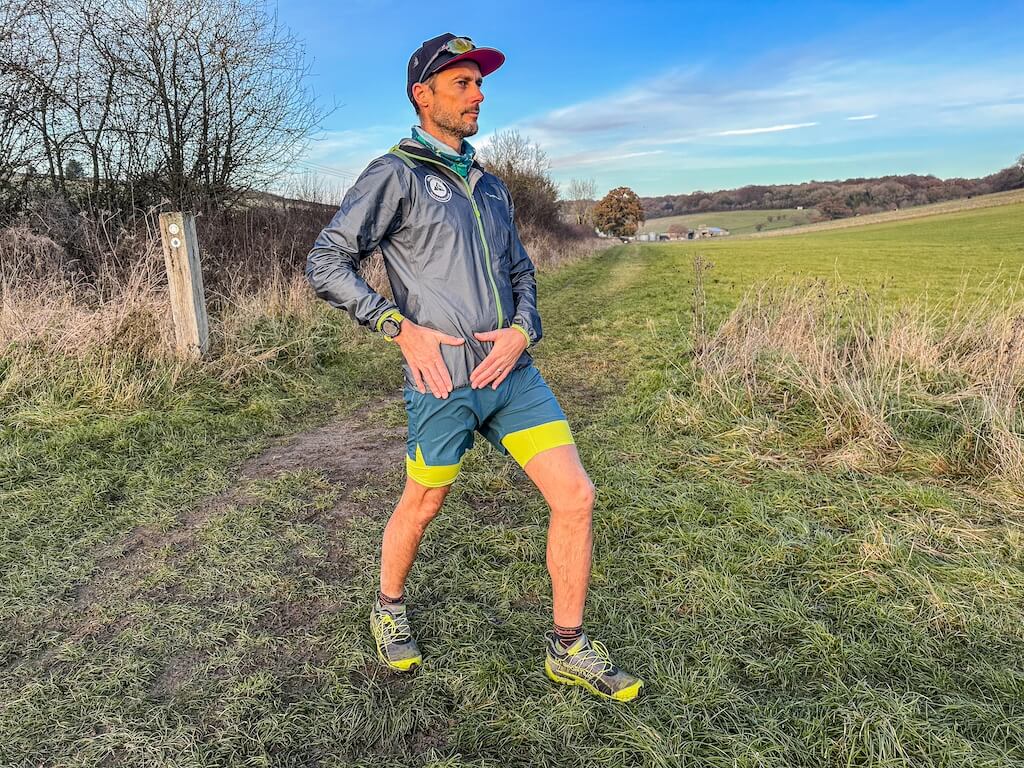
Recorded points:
(737, 222)
(934, 258)
(1012, 197)
(784, 612)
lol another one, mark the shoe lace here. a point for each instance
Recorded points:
(396, 627)
(594, 659)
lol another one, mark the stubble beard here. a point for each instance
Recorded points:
(454, 124)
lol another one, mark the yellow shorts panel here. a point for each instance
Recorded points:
(431, 477)
(527, 443)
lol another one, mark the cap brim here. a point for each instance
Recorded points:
(488, 59)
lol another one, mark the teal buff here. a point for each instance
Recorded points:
(458, 163)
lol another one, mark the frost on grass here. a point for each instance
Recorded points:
(858, 384)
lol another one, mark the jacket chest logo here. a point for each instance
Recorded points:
(438, 189)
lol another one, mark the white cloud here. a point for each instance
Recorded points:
(680, 115)
(769, 129)
(590, 158)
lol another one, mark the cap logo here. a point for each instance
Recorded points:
(438, 189)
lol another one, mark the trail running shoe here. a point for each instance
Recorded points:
(392, 635)
(589, 665)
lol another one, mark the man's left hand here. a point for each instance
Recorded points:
(509, 344)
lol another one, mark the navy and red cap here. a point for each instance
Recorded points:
(488, 59)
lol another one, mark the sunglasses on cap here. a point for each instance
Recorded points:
(456, 46)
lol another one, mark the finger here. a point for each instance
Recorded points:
(442, 373)
(484, 378)
(486, 335)
(501, 377)
(479, 371)
(492, 366)
(483, 372)
(436, 385)
(427, 378)
(419, 380)
(450, 340)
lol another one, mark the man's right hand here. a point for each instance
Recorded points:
(422, 349)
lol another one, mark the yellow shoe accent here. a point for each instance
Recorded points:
(527, 443)
(401, 665)
(630, 693)
(405, 665)
(626, 694)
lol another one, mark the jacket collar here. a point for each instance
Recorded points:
(459, 161)
(414, 148)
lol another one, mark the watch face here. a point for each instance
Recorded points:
(390, 327)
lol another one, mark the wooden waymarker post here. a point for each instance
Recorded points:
(185, 281)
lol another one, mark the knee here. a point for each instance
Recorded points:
(423, 507)
(578, 500)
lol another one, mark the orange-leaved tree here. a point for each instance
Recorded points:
(619, 212)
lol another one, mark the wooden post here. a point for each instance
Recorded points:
(185, 281)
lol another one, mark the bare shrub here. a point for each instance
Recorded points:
(110, 341)
(876, 384)
(25, 254)
(551, 247)
(524, 168)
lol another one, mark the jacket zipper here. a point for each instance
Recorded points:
(483, 237)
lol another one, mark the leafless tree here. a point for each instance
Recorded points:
(185, 101)
(226, 100)
(15, 132)
(580, 196)
(524, 168)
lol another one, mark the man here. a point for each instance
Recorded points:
(464, 315)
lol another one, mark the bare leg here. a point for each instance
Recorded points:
(560, 477)
(417, 507)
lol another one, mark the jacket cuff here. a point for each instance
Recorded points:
(522, 329)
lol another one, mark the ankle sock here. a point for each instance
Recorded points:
(385, 600)
(568, 635)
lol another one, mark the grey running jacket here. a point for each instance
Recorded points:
(451, 249)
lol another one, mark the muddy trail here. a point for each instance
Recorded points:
(350, 453)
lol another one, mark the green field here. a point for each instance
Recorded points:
(160, 607)
(737, 222)
(934, 256)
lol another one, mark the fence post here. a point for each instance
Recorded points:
(185, 281)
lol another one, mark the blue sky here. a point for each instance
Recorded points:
(670, 97)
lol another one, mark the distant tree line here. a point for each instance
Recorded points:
(837, 199)
(120, 105)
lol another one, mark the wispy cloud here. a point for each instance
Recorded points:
(696, 114)
(769, 129)
(681, 120)
(591, 158)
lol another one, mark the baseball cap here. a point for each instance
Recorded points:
(488, 59)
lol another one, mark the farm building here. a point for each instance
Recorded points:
(704, 232)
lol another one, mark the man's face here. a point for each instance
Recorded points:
(454, 103)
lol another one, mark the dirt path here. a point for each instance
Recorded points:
(350, 452)
(347, 451)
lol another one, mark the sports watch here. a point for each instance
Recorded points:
(391, 325)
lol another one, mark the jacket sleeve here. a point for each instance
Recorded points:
(372, 209)
(524, 286)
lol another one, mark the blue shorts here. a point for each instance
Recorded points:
(521, 418)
